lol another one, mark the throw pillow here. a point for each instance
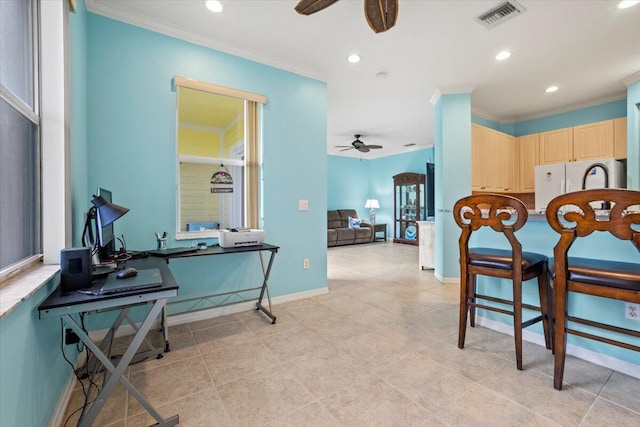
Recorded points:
(354, 222)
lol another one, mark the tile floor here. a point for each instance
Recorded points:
(378, 350)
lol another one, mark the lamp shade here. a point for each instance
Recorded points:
(372, 204)
(108, 212)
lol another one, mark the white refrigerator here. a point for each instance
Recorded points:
(553, 180)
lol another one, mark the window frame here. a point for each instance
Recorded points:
(252, 156)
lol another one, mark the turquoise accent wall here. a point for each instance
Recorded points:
(131, 128)
(633, 136)
(610, 110)
(453, 176)
(351, 181)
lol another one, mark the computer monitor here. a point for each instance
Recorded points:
(106, 236)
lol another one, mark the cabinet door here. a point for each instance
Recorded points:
(620, 138)
(556, 146)
(529, 159)
(502, 152)
(593, 141)
(481, 175)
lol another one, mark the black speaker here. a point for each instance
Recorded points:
(75, 264)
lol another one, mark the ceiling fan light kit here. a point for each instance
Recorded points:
(381, 14)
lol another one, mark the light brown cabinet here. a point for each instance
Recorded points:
(620, 138)
(593, 141)
(556, 146)
(528, 150)
(493, 160)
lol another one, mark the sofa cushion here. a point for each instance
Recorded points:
(333, 220)
(332, 237)
(345, 214)
(346, 234)
(354, 222)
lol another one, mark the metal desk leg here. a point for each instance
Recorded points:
(117, 371)
(265, 288)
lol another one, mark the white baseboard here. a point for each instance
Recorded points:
(57, 419)
(446, 280)
(618, 365)
(180, 319)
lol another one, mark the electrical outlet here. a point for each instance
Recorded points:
(632, 311)
(305, 263)
(303, 205)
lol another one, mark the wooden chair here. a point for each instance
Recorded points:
(505, 215)
(608, 279)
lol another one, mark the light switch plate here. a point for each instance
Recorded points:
(303, 205)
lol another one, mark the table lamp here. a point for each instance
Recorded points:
(372, 204)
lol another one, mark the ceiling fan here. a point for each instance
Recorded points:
(359, 145)
(381, 14)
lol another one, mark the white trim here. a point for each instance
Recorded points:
(488, 116)
(52, 128)
(180, 319)
(451, 90)
(18, 104)
(57, 418)
(180, 81)
(199, 128)
(211, 160)
(633, 78)
(446, 280)
(609, 362)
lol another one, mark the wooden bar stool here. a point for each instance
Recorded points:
(504, 215)
(601, 278)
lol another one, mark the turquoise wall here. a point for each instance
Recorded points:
(131, 129)
(633, 136)
(351, 181)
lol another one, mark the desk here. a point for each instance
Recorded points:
(264, 289)
(74, 304)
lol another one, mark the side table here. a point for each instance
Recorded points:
(379, 228)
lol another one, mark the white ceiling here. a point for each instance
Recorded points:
(587, 48)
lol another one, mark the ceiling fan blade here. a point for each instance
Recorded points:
(307, 7)
(345, 149)
(343, 146)
(373, 147)
(381, 14)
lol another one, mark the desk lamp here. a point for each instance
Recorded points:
(108, 213)
(372, 204)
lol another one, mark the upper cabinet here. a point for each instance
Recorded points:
(593, 141)
(620, 138)
(528, 151)
(556, 146)
(493, 160)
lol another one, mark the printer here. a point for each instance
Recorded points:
(240, 237)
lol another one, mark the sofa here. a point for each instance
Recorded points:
(340, 233)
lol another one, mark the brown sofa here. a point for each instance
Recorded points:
(339, 233)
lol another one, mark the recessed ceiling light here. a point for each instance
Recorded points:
(627, 3)
(503, 55)
(551, 89)
(214, 6)
(381, 75)
(354, 58)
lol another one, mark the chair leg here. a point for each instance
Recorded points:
(517, 319)
(560, 337)
(472, 298)
(464, 307)
(543, 291)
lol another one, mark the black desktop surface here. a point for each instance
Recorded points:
(58, 299)
(219, 250)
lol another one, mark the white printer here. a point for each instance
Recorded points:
(240, 237)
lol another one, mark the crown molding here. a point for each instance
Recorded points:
(488, 116)
(110, 10)
(450, 90)
(633, 78)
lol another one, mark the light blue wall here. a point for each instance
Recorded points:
(633, 136)
(131, 136)
(351, 181)
(610, 110)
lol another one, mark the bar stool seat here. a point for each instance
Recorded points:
(614, 274)
(503, 259)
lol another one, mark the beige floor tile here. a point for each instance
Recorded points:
(215, 321)
(624, 390)
(202, 409)
(166, 384)
(290, 344)
(480, 407)
(114, 409)
(229, 363)
(426, 382)
(566, 407)
(261, 398)
(261, 325)
(373, 402)
(182, 346)
(313, 414)
(227, 334)
(605, 413)
(375, 349)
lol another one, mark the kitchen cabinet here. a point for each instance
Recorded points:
(528, 151)
(620, 138)
(593, 141)
(493, 160)
(556, 146)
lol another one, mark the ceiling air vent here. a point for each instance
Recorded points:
(500, 13)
